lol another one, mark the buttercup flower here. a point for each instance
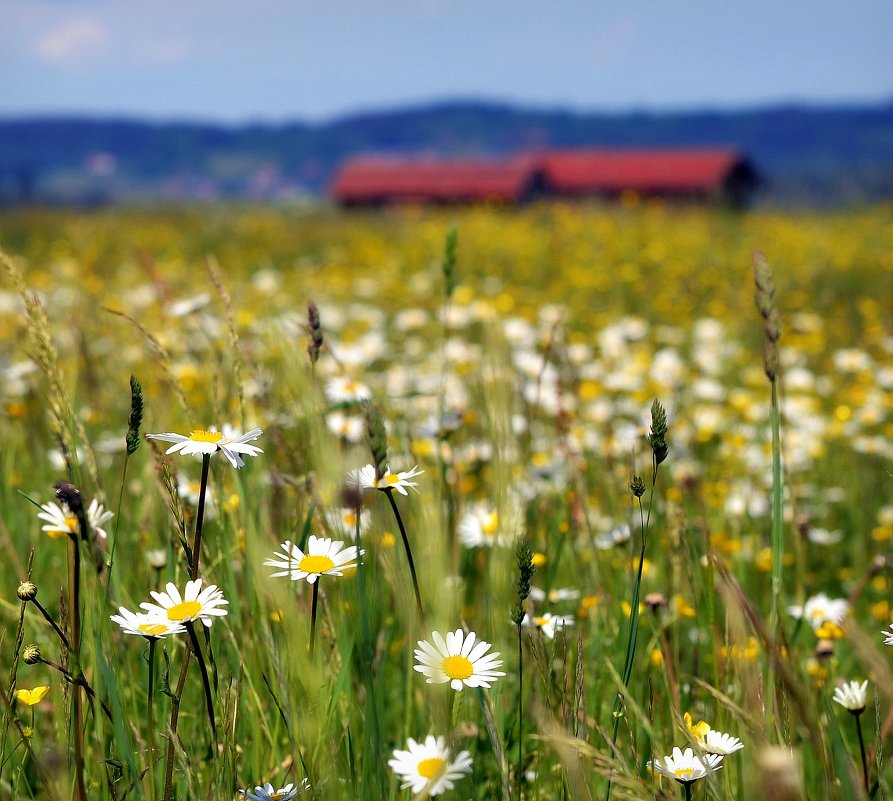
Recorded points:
(32, 697)
(685, 767)
(429, 766)
(229, 442)
(195, 603)
(324, 557)
(152, 627)
(61, 520)
(365, 477)
(459, 660)
(267, 793)
(852, 696)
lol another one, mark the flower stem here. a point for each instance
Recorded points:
(313, 605)
(49, 619)
(415, 583)
(77, 700)
(209, 701)
(200, 517)
(862, 752)
(151, 735)
(520, 709)
(687, 787)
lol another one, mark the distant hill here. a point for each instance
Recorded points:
(812, 155)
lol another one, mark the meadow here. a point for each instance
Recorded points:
(475, 399)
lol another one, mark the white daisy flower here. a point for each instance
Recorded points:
(342, 389)
(852, 696)
(351, 427)
(195, 603)
(548, 623)
(720, 743)
(821, 609)
(364, 477)
(888, 636)
(554, 596)
(428, 766)
(345, 520)
(229, 442)
(267, 793)
(685, 767)
(479, 527)
(61, 520)
(459, 660)
(152, 627)
(324, 557)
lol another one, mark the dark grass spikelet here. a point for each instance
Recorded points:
(378, 438)
(657, 437)
(135, 421)
(448, 265)
(637, 486)
(314, 328)
(524, 558)
(765, 300)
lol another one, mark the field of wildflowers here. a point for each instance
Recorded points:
(493, 504)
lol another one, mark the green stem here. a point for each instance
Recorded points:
(862, 751)
(520, 710)
(151, 735)
(77, 699)
(111, 562)
(415, 584)
(687, 787)
(777, 522)
(49, 619)
(200, 516)
(209, 701)
(313, 604)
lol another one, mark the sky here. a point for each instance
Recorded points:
(276, 60)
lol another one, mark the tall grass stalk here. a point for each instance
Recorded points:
(415, 582)
(150, 738)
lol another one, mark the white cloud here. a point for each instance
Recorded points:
(78, 37)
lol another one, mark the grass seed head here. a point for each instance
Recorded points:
(136, 415)
(314, 328)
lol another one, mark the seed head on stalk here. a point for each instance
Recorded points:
(378, 439)
(314, 328)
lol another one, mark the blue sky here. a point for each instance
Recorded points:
(272, 60)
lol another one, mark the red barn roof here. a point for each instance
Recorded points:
(376, 180)
(647, 171)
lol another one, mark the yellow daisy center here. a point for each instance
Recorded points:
(490, 524)
(684, 773)
(431, 768)
(540, 621)
(152, 629)
(350, 519)
(276, 796)
(457, 667)
(351, 386)
(71, 523)
(205, 436)
(316, 564)
(185, 610)
(391, 478)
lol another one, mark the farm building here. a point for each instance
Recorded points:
(705, 174)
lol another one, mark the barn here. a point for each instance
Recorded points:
(377, 181)
(699, 174)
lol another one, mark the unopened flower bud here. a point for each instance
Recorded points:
(655, 601)
(824, 649)
(27, 591)
(31, 655)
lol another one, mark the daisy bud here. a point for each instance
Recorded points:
(351, 496)
(824, 649)
(27, 591)
(31, 655)
(655, 601)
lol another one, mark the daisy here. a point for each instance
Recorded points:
(685, 767)
(324, 557)
(61, 520)
(479, 527)
(821, 609)
(229, 442)
(459, 660)
(345, 520)
(342, 389)
(720, 743)
(428, 767)
(152, 627)
(888, 636)
(195, 603)
(852, 696)
(267, 793)
(32, 697)
(351, 427)
(364, 477)
(548, 623)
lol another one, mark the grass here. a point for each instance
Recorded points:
(516, 366)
